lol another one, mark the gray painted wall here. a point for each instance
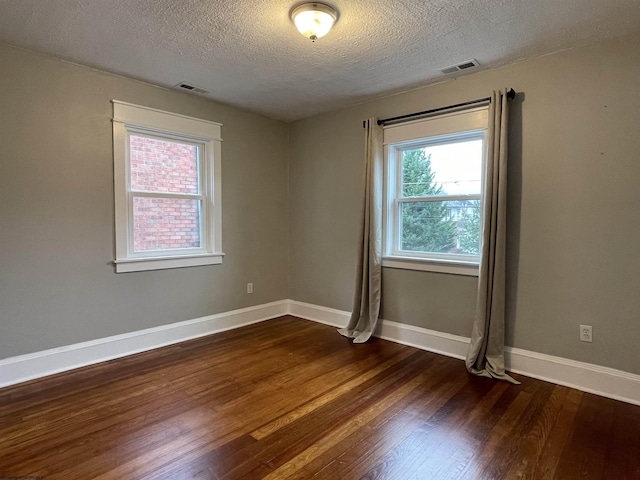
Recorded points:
(574, 196)
(292, 196)
(56, 210)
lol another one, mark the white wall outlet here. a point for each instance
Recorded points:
(249, 287)
(586, 333)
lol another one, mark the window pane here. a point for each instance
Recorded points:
(165, 223)
(451, 227)
(447, 169)
(162, 165)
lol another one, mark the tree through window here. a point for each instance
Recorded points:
(434, 190)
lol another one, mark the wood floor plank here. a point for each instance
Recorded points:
(261, 458)
(533, 441)
(584, 455)
(458, 446)
(328, 396)
(550, 455)
(292, 399)
(510, 450)
(623, 451)
(347, 429)
(357, 454)
(404, 460)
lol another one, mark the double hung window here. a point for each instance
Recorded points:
(434, 189)
(167, 189)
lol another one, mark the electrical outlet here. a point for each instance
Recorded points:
(249, 287)
(586, 333)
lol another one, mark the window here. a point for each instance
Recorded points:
(434, 185)
(167, 189)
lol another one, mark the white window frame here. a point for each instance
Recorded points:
(444, 128)
(129, 119)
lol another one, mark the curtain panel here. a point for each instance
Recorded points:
(486, 351)
(366, 299)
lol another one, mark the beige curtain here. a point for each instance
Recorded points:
(366, 299)
(486, 351)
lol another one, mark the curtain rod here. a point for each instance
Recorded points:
(385, 121)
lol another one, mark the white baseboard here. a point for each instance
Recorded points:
(326, 315)
(430, 340)
(604, 381)
(48, 362)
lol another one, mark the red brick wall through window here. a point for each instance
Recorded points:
(164, 166)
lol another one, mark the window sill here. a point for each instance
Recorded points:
(450, 267)
(162, 263)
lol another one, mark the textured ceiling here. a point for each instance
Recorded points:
(247, 53)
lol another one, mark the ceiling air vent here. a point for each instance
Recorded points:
(191, 88)
(460, 67)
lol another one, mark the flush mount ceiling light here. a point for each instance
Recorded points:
(314, 20)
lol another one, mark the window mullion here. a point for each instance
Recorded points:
(130, 224)
(182, 196)
(396, 203)
(439, 198)
(203, 184)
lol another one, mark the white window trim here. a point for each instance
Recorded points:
(428, 265)
(129, 118)
(438, 127)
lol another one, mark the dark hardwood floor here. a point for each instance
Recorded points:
(289, 398)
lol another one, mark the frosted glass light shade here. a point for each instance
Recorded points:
(314, 20)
